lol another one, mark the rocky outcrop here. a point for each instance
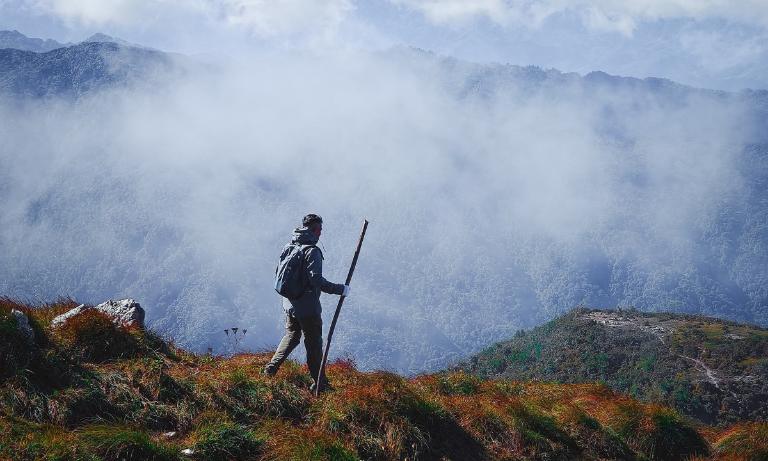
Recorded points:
(22, 323)
(123, 312)
(60, 319)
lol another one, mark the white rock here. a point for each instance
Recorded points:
(169, 435)
(187, 452)
(60, 319)
(22, 323)
(124, 312)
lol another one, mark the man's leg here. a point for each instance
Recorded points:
(312, 326)
(289, 342)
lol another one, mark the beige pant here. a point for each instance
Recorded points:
(312, 327)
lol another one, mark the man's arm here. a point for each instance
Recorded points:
(315, 273)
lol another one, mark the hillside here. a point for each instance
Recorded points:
(713, 370)
(16, 40)
(92, 390)
(74, 71)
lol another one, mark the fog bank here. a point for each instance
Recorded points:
(497, 200)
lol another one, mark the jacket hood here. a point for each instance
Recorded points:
(303, 236)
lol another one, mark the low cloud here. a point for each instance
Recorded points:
(448, 11)
(607, 15)
(270, 18)
(495, 201)
(264, 18)
(286, 17)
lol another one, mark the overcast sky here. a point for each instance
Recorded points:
(710, 43)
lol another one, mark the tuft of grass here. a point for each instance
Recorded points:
(458, 383)
(325, 450)
(590, 434)
(23, 440)
(746, 442)
(77, 406)
(653, 431)
(226, 440)
(291, 443)
(125, 443)
(383, 417)
(93, 337)
(665, 435)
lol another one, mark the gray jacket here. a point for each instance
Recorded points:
(309, 303)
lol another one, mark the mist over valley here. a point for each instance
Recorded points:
(499, 196)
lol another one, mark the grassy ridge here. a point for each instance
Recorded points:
(93, 391)
(712, 370)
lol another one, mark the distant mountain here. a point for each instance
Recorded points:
(713, 370)
(16, 40)
(103, 38)
(76, 70)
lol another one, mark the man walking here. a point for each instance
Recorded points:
(303, 313)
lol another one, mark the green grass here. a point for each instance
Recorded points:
(223, 441)
(125, 443)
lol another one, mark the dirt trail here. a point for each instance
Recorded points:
(659, 331)
(707, 371)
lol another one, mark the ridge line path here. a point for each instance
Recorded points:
(659, 332)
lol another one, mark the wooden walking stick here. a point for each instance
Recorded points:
(321, 373)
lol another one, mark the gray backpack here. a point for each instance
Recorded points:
(290, 281)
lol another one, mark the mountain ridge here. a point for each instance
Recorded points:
(77, 70)
(711, 369)
(16, 40)
(91, 389)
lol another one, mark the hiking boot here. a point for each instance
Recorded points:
(325, 387)
(269, 370)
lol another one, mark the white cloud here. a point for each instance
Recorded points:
(262, 17)
(446, 11)
(286, 17)
(278, 18)
(616, 15)
(101, 12)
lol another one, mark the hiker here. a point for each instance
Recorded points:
(303, 312)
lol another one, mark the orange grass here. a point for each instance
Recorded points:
(370, 415)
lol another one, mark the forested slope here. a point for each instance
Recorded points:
(713, 370)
